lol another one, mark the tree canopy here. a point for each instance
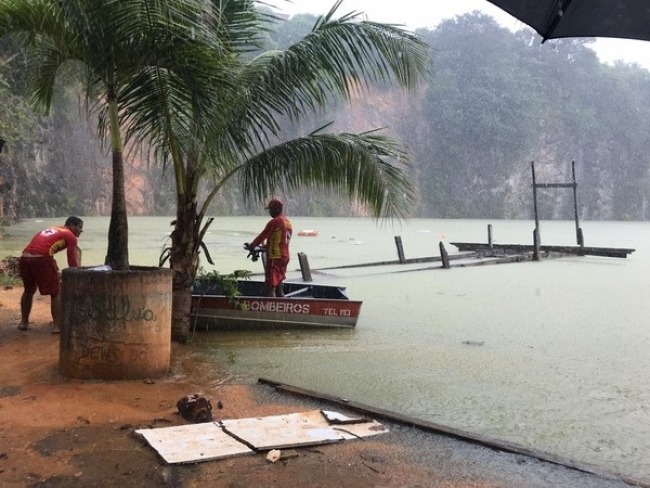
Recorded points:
(496, 101)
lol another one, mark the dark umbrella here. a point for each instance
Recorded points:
(554, 19)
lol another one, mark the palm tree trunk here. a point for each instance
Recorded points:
(184, 261)
(117, 255)
(181, 313)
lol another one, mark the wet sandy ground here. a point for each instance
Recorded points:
(62, 432)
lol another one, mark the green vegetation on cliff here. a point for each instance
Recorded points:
(497, 100)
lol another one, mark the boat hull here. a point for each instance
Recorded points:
(330, 307)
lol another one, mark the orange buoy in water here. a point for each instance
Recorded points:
(308, 233)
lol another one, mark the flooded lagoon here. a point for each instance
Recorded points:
(552, 355)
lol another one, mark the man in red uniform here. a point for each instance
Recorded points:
(38, 269)
(277, 235)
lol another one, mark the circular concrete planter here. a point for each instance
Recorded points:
(116, 324)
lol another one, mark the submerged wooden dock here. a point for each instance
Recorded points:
(496, 249)
(473, 254)
(478, 254)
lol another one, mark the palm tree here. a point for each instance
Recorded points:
(243, 139)
(178, 75)
(111, 43)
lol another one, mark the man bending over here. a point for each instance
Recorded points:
(38, 268)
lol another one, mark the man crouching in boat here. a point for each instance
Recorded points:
(276, 236)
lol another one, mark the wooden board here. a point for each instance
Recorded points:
(612, 252)
(193, 443)
(297, 429)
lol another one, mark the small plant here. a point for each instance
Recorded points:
(6, 280)
(213, 282)
(222, 284)
(9, 271)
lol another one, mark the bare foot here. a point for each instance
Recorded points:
(23, 326)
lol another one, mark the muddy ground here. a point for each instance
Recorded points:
(63, 432)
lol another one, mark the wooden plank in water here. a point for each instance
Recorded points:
(431, 259)
(611, 252)
(487, 441)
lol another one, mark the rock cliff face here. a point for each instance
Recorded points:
(65, 170)
(61, 169)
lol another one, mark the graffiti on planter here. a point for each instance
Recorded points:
(111, 354)
(110, 309)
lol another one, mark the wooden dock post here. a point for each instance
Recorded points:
(537, 240)
(305, 270)
(490, 244)
(579, 237)
(400, 250)
(444, 256)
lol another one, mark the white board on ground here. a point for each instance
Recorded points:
(297, 429)
(193, 443)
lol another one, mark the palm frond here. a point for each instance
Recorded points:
(239, 24)
(357, 165)
(339, 57)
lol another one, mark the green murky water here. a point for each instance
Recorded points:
(563, 366)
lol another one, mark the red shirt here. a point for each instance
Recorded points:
(50, 241)
(277, 234)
